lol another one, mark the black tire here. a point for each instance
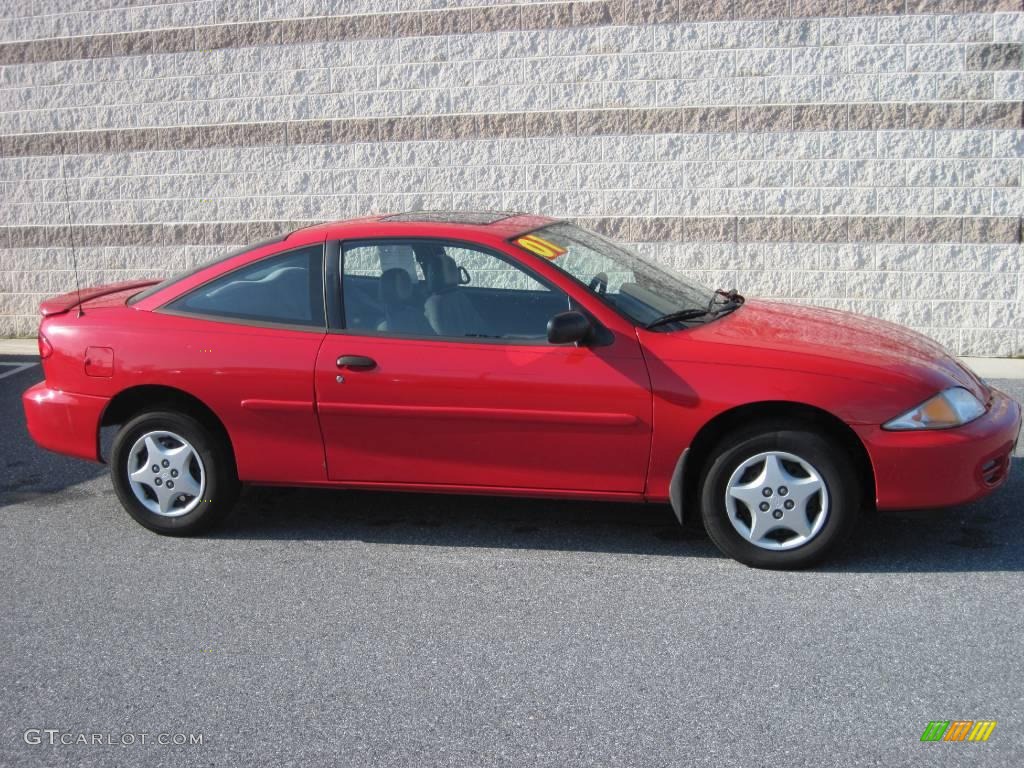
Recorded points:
(221, 480)
(831, 461)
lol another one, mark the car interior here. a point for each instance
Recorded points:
(421, 289)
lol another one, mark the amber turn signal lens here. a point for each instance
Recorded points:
(950, 408)
(937, 413)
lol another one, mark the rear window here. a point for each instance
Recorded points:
(181, 276)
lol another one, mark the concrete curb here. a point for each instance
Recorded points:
(986, 367)
(18, 347)
(995, 367)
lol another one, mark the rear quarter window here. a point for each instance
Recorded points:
(284, 289)
(153, 289)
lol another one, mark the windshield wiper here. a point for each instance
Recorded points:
(732, 300)
(675, 317)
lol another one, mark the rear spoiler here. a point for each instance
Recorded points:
(67, 301)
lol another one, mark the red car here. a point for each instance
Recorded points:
(509, 354)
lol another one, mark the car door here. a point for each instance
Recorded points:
(443, 376)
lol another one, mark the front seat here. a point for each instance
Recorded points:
(447, 309)
(401, 315)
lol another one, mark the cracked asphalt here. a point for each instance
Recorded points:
(351, 628)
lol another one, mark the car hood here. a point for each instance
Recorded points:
(863, 346)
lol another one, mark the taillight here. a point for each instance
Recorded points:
(45, 348)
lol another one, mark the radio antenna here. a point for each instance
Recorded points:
(71, 232)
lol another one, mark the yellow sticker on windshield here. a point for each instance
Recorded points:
(543, 248)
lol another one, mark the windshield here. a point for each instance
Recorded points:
(640, 288)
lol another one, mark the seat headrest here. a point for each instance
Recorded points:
(442, 273)
(395, 286)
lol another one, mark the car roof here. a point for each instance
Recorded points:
(502, 224)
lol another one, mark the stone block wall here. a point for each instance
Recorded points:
(859, 154)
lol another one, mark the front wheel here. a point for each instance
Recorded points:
(779, 499)
(172, 474)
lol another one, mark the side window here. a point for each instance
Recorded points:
(383, 289)
(286, 289)
(425, 288)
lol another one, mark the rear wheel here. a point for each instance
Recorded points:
(172, 474)
(779, 498)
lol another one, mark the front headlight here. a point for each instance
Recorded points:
(950, 408)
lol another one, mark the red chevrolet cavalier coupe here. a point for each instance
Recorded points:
(509, 354)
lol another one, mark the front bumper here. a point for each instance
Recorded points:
(942, 467)
(64, 422)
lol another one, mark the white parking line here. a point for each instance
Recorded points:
(18, 368)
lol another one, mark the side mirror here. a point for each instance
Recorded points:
(569, 328)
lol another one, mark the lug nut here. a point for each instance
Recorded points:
(777, 514)
(783, 490)
(766, 492)
(789, 504)
(158, 481)
(174, 473)
(170, 483)
(165, 463)
(156, 468)
(764, 506)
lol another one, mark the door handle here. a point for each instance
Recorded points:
(357, 362)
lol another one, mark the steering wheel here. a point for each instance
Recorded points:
(599, 284)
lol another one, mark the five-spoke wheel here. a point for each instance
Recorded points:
(166, 473)
(776, 500)
(777, 497)
(173, 473)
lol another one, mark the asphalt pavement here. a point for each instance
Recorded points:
(371, 629)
